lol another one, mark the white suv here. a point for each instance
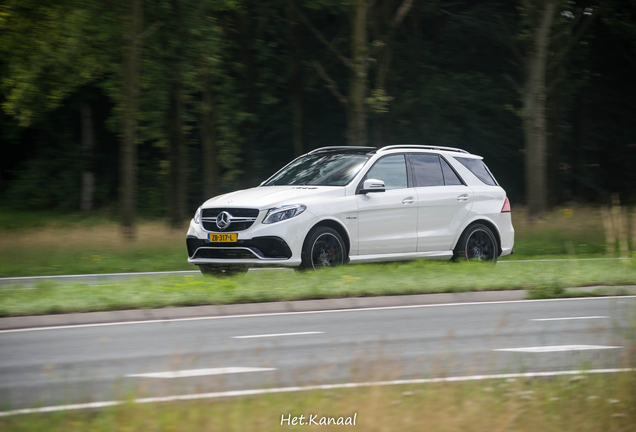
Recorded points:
(336, 205)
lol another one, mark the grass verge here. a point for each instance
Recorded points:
(577, 403)
(545, 279)
(40, 244)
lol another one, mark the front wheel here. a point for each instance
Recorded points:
(323, 247)
(477, 244)
(221, 271)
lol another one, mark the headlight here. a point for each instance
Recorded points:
(282, 213)
(197, 216)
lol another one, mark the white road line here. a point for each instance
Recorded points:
(199, 372)
(569, 318)
(236, 393)
(168, 320)
(26, 278)
(558, 348)
(276, 335)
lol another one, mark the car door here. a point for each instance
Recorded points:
(387, 220)
(443, 202)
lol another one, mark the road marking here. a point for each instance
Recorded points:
(569, 318)
(169, 320)
(558, 348)
(276, 335)
(97, 275)
(252, 392)
(199, 372)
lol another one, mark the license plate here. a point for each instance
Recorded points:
(223, 238)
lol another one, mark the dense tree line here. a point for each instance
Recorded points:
(150, 106)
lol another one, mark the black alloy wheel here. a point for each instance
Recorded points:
(323, 247)
(477, 244)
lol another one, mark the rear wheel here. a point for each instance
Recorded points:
(477, 244)
(221, 271)
(323, 247)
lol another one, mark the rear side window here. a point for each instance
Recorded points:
(428, 171)
(478, 167)
(450, 178)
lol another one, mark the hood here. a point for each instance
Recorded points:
(267, 197)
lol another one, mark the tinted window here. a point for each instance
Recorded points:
(322, 169)
(428, 171)
(450, 178)
(391, 170)
(478, 167)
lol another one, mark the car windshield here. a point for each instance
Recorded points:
(320, 169)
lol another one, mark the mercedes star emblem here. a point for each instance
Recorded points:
(223, 220)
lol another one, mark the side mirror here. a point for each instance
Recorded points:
(372, 185)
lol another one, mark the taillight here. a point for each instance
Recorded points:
(506, 206)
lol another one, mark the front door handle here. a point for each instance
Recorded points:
(408, 200)
(463, 197)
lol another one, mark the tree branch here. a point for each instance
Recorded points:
(402, 11)
(321, 38)
(397, 19)
(331, 84)
(555, 82)
(512, 81)
(153, 28)
(511, 40)
(575, 38)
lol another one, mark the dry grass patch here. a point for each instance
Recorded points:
(577, 404)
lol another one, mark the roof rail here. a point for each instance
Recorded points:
(321, 149)
(423, 147)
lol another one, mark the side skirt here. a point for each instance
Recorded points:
(436, 255)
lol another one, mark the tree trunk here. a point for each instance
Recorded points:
(296, 85)
(249, 90)
(208, 140)
(128, 149)
(554, 147)
(88, 177)
(177, 175)
(357, 113)
(534, 117)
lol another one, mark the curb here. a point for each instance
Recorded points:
(12, 323)
(193, 312)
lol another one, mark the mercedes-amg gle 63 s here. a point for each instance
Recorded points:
(336, 205)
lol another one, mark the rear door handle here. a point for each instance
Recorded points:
(408, 200)
(463, 197)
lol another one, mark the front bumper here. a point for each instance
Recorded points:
(277, 245)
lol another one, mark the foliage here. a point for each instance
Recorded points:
(447, 84)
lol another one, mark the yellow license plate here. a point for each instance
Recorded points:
(223, 238)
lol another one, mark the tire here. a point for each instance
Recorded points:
(221, 271)
(323, 247)
(477, 244)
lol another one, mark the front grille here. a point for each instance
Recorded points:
(240, 219)
(263, 247)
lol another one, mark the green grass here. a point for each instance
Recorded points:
(563, 404)
(67, 246)
(40, 244)
(548, 279)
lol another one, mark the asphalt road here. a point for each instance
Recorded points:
(98, 363)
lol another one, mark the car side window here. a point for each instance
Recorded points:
(391, 170)
(428, 171)
(450, 178)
